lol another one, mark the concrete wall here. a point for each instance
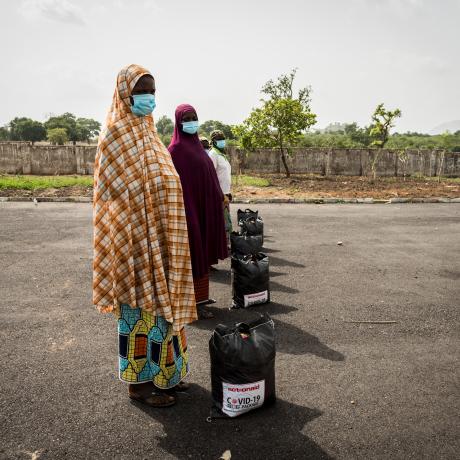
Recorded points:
(24, 158)
(350, 162)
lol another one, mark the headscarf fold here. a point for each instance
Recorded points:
(141, 249)
(203, 197)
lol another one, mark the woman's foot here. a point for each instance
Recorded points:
(147, 394)
(181, 387)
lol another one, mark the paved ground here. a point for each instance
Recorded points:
(60, 396)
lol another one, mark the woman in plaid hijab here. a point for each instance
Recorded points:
(142, 270)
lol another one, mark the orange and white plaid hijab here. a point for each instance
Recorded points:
(141, 249)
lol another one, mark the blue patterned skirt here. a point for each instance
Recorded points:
(148, 349)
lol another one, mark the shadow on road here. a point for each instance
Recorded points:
(273, 432)
(295, 341)
(270, 251)
(278, 287)
(279, 262)
(274, 274)
(223, 276)
(289, 338)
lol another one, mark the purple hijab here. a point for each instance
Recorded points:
(203, 197)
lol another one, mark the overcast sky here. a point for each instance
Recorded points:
(63, 55)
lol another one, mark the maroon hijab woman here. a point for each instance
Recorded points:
(203, 199)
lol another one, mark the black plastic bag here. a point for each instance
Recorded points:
(246, 214)
(250, 280)
(250, 222)
(245, 244)
(242, 367)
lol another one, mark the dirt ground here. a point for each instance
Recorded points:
(308, 186)
(305, 186)
(76, 190)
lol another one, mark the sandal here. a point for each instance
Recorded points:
(160, 399)
(181, 387)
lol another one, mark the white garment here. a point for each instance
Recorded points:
(223, 170)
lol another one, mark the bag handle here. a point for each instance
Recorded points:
(243, 328)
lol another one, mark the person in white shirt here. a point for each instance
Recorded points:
(205, 143)
(224, 174)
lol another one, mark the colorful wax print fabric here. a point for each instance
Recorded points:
(149, 350)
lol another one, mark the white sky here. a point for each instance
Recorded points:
(63, 55)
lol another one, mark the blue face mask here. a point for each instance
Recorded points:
(190, 127)
(220, 144)
(143, 104)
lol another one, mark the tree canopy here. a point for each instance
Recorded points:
(26, 129)
(77, 129)
(382, 122)
(165, 129)
(87, 129)
(57, 136)
(209, 126)
(4, 133)
(281, 120)
(165, 125)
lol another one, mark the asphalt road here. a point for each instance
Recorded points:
(344, 390)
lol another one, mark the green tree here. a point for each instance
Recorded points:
(336, 127)
(456, 142)
(87, 129)
(359, 136)
(412, 140)
(382, 122)
(447, 142)
(26, 129)
(281, 120)
(327, 140)
(15, 128)
(77, 129)
(165, 129)
(4, 133)
(211, 125)
(65, 121)
(165, 125)
(57, 136)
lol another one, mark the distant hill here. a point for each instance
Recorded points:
(451, 126)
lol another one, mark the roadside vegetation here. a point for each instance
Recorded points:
(43, 182)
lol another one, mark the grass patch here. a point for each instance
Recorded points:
(250, 181)
(41, 182)
(443, 179)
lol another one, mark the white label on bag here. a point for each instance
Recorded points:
(238, 399)
(253, 299)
